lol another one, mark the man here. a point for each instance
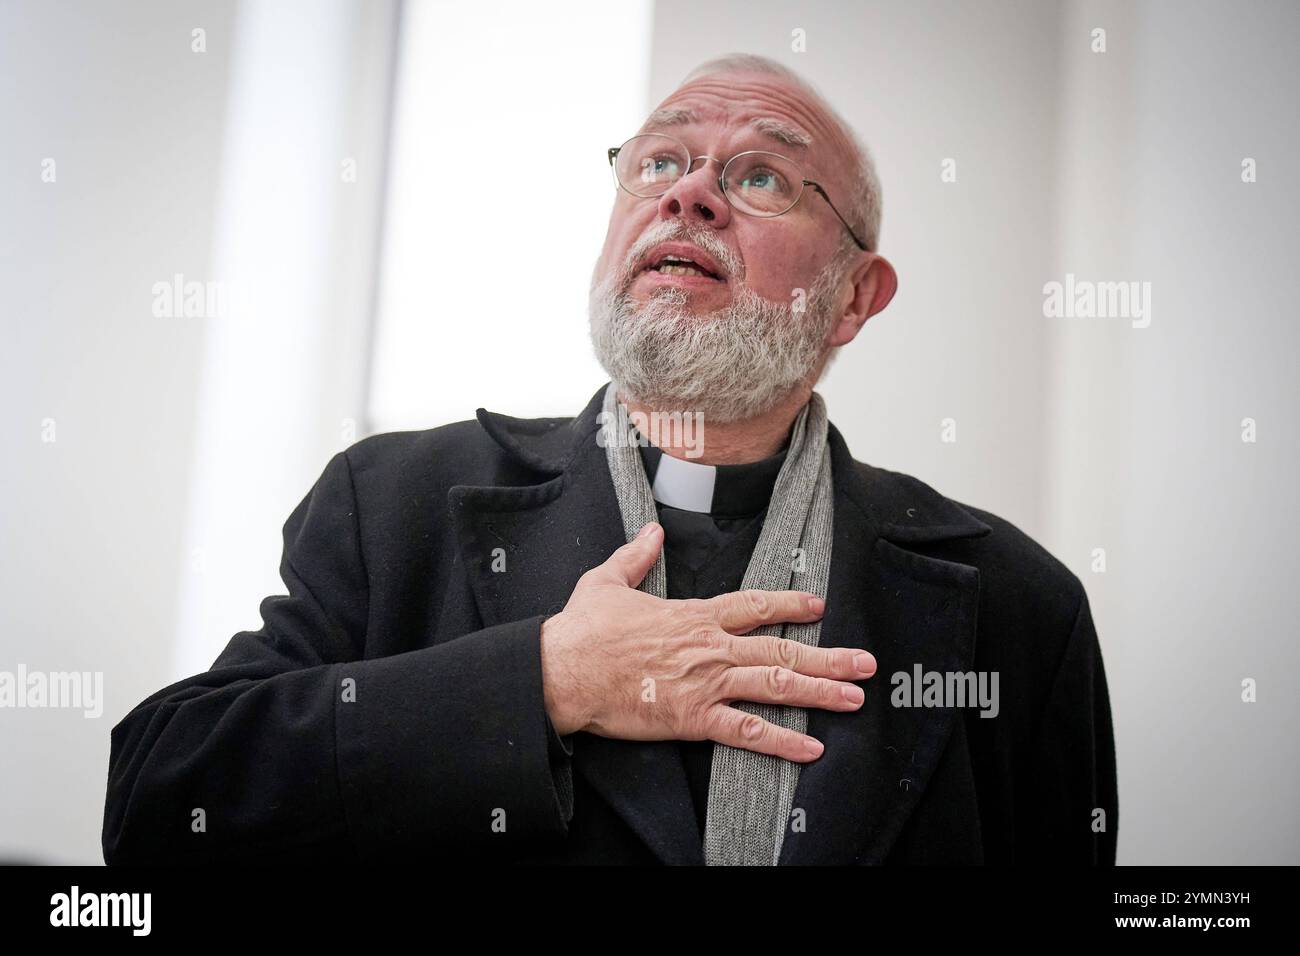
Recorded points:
(685, 626)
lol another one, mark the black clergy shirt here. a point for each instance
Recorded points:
(706, 554)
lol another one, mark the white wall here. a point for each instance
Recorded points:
(1147, 458)
(283, 381)
(504, 112)
(148, 532)
(91, 524)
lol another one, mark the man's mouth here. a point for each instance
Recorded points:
(682, 260)
(679, 266)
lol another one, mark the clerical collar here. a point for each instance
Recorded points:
(719, 490)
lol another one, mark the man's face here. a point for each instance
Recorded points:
(773, 256)
(736, 343)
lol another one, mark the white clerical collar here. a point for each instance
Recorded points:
(684, 484)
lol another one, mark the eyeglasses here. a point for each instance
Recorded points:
(756, 182)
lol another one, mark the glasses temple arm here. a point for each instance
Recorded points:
(821, 192)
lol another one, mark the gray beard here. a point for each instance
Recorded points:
(730, 365)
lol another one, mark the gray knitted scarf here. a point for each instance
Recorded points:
(750, 794)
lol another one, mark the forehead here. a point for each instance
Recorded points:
(769, 106)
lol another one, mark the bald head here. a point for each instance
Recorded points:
(864, 197)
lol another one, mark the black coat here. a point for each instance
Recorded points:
(391, 707)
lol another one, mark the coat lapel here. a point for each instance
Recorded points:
(549, 535)
(905, 609)
(902, 606)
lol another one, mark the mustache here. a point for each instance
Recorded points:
(677, 230)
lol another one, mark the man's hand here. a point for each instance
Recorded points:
(620, 663)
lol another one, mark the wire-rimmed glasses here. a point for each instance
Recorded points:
(756, 182)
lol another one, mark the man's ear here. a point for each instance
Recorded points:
(874, 283)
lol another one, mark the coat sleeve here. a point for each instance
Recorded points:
(1073, 806)
(295, 747)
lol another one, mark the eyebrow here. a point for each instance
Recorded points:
(777, 129)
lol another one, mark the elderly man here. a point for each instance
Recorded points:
(685, 626)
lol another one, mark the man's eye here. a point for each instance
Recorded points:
(763, 179)
(659, 168)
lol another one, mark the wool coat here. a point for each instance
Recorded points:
(390, 707)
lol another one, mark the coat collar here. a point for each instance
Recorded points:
(903, 509)
(877, 759)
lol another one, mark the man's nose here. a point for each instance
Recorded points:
(697, 195)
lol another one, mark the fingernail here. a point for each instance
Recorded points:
(814, 747)
(853, 695)
(646, 530)
(816, 605)
(863, 663)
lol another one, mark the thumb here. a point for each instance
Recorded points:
(630, 563)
